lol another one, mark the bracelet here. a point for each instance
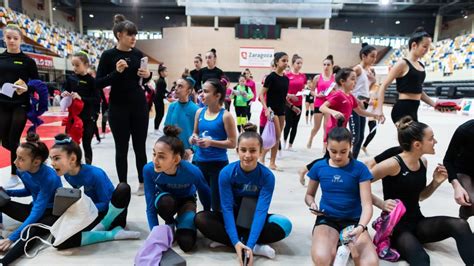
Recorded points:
(363, 227)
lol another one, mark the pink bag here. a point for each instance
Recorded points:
(268, 134)
(159, 241)
(384, 226)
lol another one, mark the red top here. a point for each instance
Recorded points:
(321, 87)
(341, 102)
(297, 83)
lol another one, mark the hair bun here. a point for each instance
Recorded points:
(32, 137)
(330, 57)
(119, 18)
(249, 127)
(404, 122)
(172, 131)
(419, 29)
(364, 44)
(213, 51)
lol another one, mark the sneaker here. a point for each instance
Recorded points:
(103, 136)
(97, 141)
(140, 190)
(364, 149)
(13, 182)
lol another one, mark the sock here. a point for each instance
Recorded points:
(117, 233)
(215, 244)
(112, 213)
(264, 250)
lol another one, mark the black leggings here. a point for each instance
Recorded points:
(409, 239)
(167, 206)
(291, 124)
(403, 108)
(12, 123)
(120, 199)
(87, 135)
(241, 113)
(126, 120)
(467, 183)
(211, 224)
(211, 171)
(159, 112)
(20, 212)
(105, 118)
(372, 132)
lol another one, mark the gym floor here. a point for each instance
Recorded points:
(287, 200)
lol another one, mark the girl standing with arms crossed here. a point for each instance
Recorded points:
(321, 83)
(273, 98)
(295, 102)
(18, 68)
(81, 85)
(214, 133)
(368, 55)
(182, 113)
(119, 68)
(160, 95)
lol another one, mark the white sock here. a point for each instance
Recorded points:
(264, 250)
(215, 244)
(124, 234)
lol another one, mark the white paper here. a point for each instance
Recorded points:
(65, 103)
(8, 89)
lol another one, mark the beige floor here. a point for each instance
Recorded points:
(287, 200)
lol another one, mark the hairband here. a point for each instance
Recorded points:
(84, 53)
(63, 141)
(13, 25)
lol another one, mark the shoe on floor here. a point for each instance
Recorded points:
(12, 182)
(140, 190)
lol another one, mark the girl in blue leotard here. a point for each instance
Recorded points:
(170, 188)
(245, 178)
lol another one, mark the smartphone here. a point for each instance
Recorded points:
(144, 63)
(245, 258)
(318, 212)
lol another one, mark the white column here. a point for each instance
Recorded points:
(5, 4)
(49, 6)
(80, 23)
(299, 23)
(437, 29)
(188, 21)
(216, 22)
(326, 24)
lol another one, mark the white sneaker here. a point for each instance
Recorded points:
(264, 250)
(140, 190)
(13, 182)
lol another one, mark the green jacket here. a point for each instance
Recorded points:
(239, 100)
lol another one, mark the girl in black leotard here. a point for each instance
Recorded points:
(404, 178)
(410, 75)
(119, 68)
(18, 68)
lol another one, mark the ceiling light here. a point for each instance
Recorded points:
(167, 17)
(465, 16)
(397, 22)
(384, 2)
(54, 8)
(91, 15)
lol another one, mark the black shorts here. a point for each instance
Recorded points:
(309, 98)
(317, 111)
(403, 108)
(336, 223)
